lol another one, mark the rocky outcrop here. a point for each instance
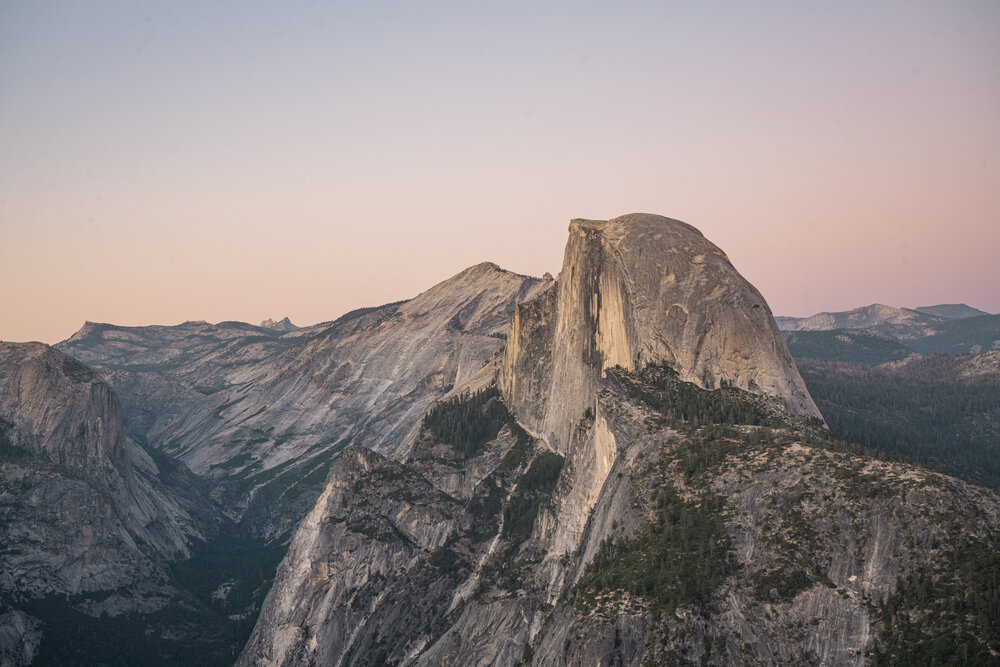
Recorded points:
(357, 539)
(635, 290)
(284, 325)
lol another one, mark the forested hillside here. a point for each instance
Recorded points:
(941, 410)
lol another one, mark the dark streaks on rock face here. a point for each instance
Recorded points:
(67, 415)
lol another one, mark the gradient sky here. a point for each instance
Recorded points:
(171, 161)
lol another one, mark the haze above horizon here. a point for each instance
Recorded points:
(165, 162)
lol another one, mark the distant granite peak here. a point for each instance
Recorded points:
(284, 324)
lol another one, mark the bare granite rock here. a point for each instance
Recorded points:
(635, 290)
(597, 522)
(263, 413)
(88, 519)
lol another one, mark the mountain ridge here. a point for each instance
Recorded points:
(263, 412)
(638, 474)
(669, 516)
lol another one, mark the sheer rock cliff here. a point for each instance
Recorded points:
(635, 290)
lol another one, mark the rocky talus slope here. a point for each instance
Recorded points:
(647, 482)
(88, 518)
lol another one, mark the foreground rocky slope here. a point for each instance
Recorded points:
(88, 519)
(635, 489)
(759, 542)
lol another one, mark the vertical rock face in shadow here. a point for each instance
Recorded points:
(635, 290)
(75, 422)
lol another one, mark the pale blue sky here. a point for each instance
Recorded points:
(188, 160)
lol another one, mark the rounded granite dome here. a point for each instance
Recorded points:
(641, 289)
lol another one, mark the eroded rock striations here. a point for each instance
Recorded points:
(262, 412)
(645, 482)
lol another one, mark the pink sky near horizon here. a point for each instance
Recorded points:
(183, 161)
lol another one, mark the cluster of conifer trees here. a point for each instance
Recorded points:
(467, 422)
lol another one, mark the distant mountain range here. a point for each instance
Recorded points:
(882, 333)
(951, 311)
(923, 382)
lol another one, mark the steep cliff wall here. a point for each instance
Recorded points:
(60, 416)
(635, 290)
(89, 521)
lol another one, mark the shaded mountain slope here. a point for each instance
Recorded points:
(964, 336)
(941, 410)
(859, 346)
(89, 520)
(951, 311)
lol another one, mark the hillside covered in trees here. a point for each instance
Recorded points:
(940, 410)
